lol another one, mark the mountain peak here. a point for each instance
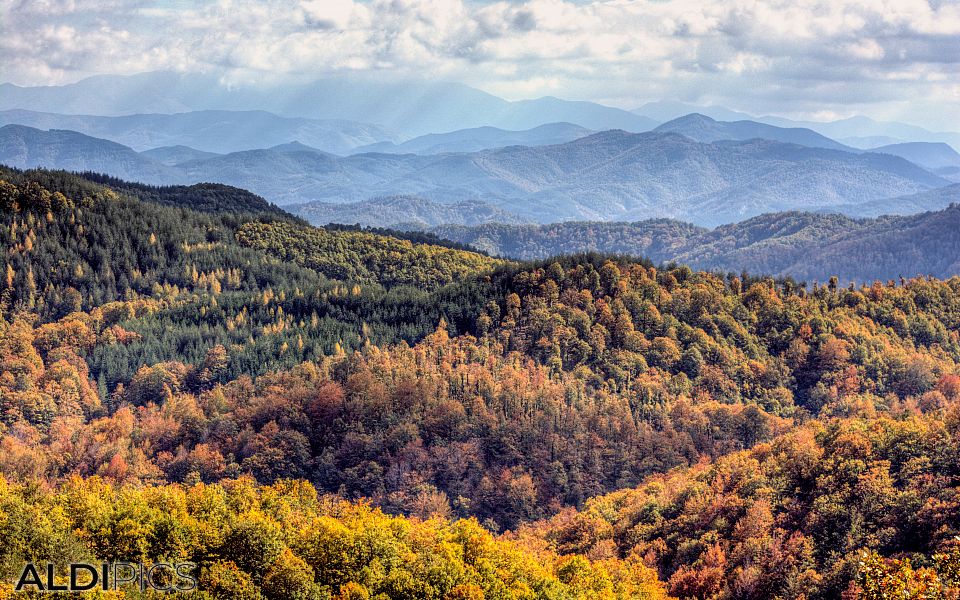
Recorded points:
(693, 125)
(295, 146)
(702, 128)
(692, 118)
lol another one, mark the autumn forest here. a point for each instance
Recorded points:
(190, 373)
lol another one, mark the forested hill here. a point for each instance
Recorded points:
(192, 279)
(225, 200)
(202, 197)
(805, 246)
(808, 426)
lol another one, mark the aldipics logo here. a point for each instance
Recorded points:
(83, 577)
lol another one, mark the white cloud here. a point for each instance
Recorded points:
(762, 55)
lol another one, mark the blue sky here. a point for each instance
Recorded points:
(889, 59)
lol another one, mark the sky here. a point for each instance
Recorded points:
(815, 59)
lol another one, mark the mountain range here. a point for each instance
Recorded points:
(938, 158)
(222, 131)
(410, 107)
(702, 128)
(405, 109)
(806, 246)
(910, 204)
(26, 147)
(612, 175)
(219, 131)
(861, 132)
(481, 138)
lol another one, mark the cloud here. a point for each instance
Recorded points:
(788, 56)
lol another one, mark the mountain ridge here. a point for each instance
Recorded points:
(218, 131)
(802, 245)
(938, 157)
(412, 107)
(611, 175)
(849, 128)
(703, 128)
(481, 138)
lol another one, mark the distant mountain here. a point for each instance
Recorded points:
(481, 138)
(938, 158)
(403, 212)
(605, 176)
(218, 131)
(288, 175)
(173, 155)
(870, 141)
(858, 132)
(665, 110)
(610, 175)
(911, 204)
(526, 114)
(814, 247)
(806, 246)
(295, 146)
(657, 239)
(26, 148)
(411, 107)
(704, 129)
(866, 127)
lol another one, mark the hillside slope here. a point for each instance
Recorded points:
(806, 246)
(26, 148)
(939, 158)
(932, 200)
(403, 211)
(177, 253)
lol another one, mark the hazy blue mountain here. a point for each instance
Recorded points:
(858, 132)
(217, 131)
(283, 176)
(482, 138)
(665, 110)
(411, 107)
(611, 175)
(26, 147)
(911, 204)
(296, 146)
(870, 141)
(174, 155)
(403, 212)
(865, 127)
(938, 158)
(806, 246)
(704, 129)
(526, 114)
(605, 176)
